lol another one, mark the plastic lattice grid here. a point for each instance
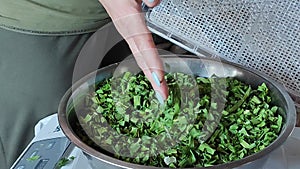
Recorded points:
(260, 34)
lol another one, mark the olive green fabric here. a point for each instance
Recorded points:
(54, 17)
(35, 72)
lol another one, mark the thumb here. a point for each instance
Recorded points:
(151, 3)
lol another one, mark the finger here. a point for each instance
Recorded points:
(151, 3)
(133, 29)
(150, 62)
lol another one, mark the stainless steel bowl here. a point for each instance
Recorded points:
(200, 66)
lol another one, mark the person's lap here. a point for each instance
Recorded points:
(35, 72)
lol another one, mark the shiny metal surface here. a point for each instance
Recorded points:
(199, 66)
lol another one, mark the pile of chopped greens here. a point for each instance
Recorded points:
(204, 121)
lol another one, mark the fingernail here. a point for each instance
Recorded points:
(159, 97)
(150, 1)
(155, 77)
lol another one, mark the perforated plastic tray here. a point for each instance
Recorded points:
(260, 34)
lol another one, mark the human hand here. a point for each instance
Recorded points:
(129, 20)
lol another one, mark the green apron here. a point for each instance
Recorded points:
(35, 72)
(52, 17)
(39, 44)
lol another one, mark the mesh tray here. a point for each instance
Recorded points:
(260, 34)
